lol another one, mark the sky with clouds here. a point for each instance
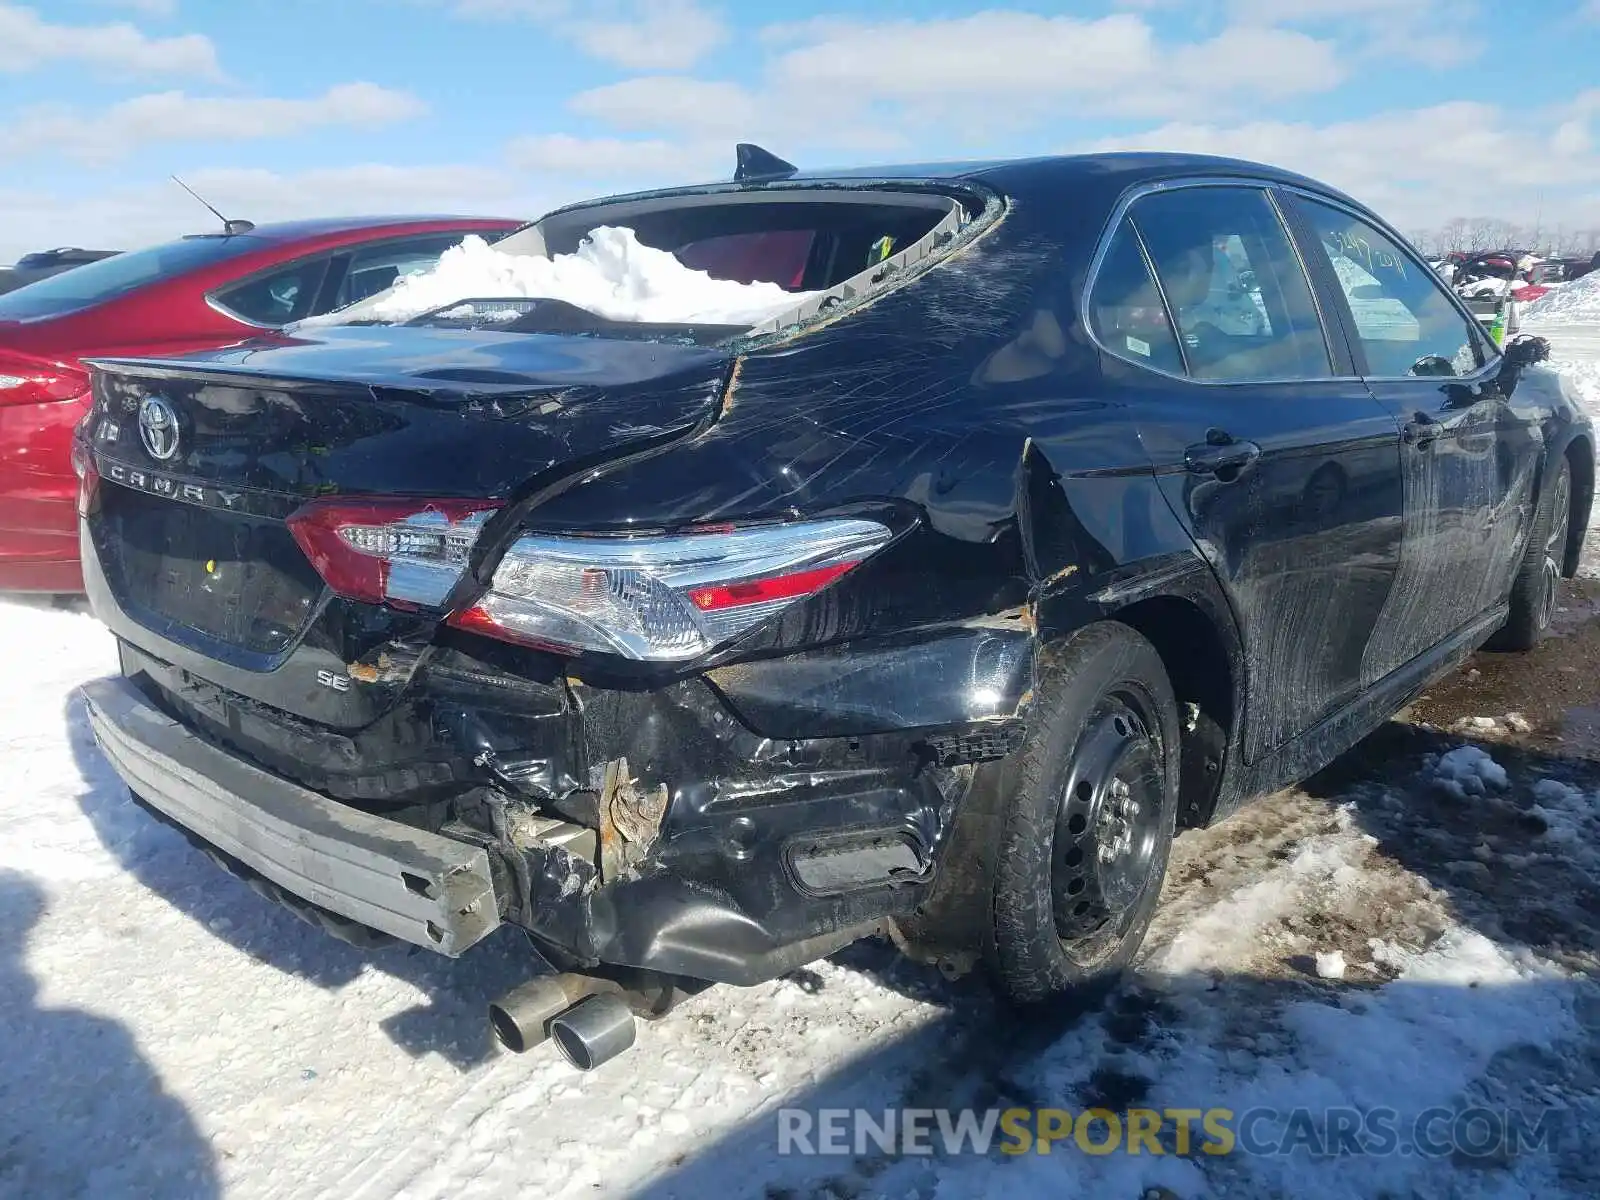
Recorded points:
(1427, 109)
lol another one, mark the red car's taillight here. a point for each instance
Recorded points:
(88, 478)
(390, 551)
(28, 380)
(663, 598)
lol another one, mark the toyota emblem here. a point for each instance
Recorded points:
(158, 428)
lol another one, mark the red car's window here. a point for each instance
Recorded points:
(778, 256)
(96, 282)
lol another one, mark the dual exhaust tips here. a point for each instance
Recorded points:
(589, 1019)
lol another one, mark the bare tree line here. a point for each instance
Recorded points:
(1477, 234)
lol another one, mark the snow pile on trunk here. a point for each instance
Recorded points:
(1578, 303)
(612, 274)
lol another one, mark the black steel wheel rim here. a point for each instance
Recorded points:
(1555, 546)
(1107, 831)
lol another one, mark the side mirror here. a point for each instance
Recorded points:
(1519, 354)
(1526, 350)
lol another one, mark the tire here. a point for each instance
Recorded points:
(1537, 586)
(1086, 830)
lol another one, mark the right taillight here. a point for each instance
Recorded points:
(663, 598)
(28, 380)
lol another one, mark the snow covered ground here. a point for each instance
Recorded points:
(1415, 928)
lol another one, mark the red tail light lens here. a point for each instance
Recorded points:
(88, 478)
(390, 551)
(28, 380)
(663, 598)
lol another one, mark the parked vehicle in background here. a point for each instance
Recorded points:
(1484, 276)
(200, 291)
(31, 268)
(930, 605)
(1549, 274)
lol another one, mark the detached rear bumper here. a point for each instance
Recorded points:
(417, 886)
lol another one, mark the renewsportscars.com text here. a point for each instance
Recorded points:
(1480, 1133)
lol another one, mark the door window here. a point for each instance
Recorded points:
(1234, 284)
(380, 267)
(276, 298)
(1403, 316)
(1125, 309)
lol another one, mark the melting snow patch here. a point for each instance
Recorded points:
(1331, 965)
(1465, 771)
(612, 274)
(1570, 816)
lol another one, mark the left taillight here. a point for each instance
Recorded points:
(390, 551)
(25, 379)
(664, 598)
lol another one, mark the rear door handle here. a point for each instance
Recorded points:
(1421, 431)
(1220, 455)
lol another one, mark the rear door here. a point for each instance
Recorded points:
(1469, 458)
(1266, 444)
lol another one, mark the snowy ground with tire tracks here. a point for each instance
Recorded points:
(1416, 928)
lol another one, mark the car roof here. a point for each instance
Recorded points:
(1118, 169)
(277, 232)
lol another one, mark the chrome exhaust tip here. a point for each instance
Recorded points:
(521, 1018)
(594, 1031)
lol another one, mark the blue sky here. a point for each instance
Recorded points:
(1422, 107)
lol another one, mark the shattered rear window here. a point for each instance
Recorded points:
(779, 257)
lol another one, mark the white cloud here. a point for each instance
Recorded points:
(612, 158)
(28, 42)
(866, 86)
(144, 213)
(147, 8)
(698, 112)
(1003, 59)
(638, 35)
(1437, 31)
(1255, 63)
(657, 35)
(536, 9)
(123, 128)
(1571, 138)
(1298, 11)
(672, 102)
(1420, 167)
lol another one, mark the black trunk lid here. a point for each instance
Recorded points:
(203, 458)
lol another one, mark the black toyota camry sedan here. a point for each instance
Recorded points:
(1074, 502)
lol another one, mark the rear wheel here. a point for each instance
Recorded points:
(1538, 583)
(1089, 822)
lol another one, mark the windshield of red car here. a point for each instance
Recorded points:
(96, 282)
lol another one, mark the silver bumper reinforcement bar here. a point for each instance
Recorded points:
(420, 887)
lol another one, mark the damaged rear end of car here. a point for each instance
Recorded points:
(607, 630)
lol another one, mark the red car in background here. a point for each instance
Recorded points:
(197, 293)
